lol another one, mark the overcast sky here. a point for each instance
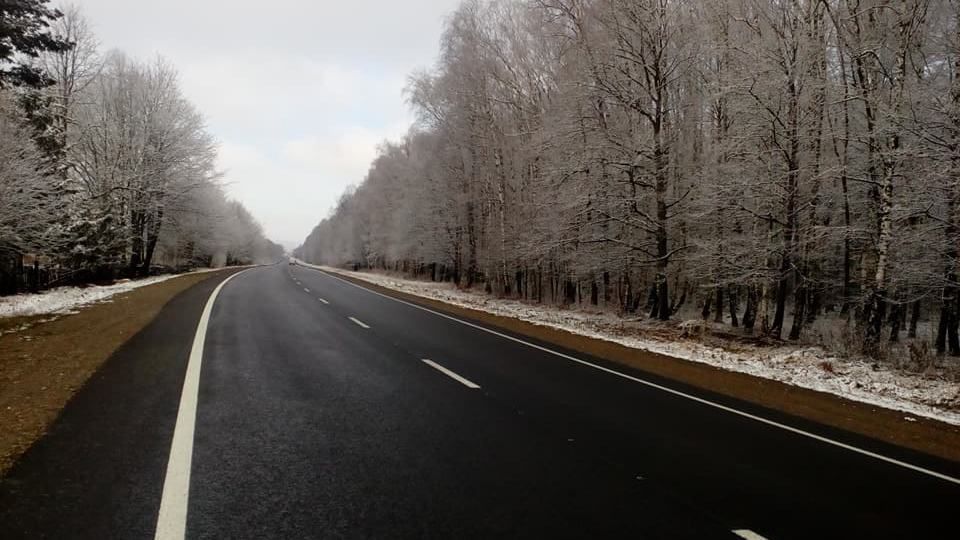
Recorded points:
(298, 92)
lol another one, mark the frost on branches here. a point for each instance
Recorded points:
(106, 169)
(765, 165)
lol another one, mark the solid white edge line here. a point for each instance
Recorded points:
(691, 397)
(322, 300)
(172, 519)
(358, 322)
(748, 534)
(462, 380)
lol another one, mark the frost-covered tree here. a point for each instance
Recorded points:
(29, 202)
(760, 162)
(106, 166)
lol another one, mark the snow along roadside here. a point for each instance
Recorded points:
(65, 300)
(857, 380)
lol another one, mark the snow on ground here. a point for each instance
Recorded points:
(63, 300)
(931, 394)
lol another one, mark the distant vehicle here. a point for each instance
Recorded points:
(293, 261)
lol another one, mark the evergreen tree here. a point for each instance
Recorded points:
(24, 35)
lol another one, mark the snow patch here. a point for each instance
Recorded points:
(66, 300)
(931, 395)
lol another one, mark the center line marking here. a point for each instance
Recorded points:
(306, 289)
(359, 323)
(466, 382)
(322, 300)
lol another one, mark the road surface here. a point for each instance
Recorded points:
(325, 410)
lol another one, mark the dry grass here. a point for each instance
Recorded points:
(45, 359)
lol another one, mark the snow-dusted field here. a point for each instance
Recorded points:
(62, 300)
(930, 395)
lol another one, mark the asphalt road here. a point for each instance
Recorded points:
(318, 417)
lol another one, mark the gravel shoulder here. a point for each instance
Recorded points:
(45, 359)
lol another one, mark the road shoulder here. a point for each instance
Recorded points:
(43, 365)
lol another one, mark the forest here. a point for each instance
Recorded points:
(106, 169)
(766, 164)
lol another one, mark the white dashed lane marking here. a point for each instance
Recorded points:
(678, 393)
(359, 323)
(748, 534)
(462, 380)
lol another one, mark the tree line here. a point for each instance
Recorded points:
(106, 169)
(763, 162)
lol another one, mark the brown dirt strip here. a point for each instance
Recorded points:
(42, 366)
(925, 435)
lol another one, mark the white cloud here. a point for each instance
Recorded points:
(348, 154)
(300, 94)
(291, 185)
(288, 93)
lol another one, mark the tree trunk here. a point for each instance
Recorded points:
(896, 321)
(799, 305)
(653, 303)
(718, 312)
(889, 160)
(137, 220)
(153, 235)
(947, 331)
(914, 319)
(941, 340)
(683, 298)
(661, 162)
(734, 305)
(750, 313)
(777, 327)
(470, 273)
(876, 315)
(878, 304)
(606, 287)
